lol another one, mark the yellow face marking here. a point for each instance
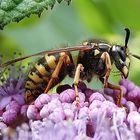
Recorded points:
(96, 52)
(30, 85)
(41, 69)
(35, 77)
(50, 61)
(125, 71)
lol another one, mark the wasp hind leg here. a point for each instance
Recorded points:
(64, 59)
(76, 81)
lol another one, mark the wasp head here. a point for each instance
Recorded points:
(120, 55)
(121, 59)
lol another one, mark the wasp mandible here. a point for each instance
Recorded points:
(94, 58)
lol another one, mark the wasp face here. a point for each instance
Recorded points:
(121, 59)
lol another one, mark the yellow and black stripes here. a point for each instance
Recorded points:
(40, 75)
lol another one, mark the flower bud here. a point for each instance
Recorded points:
(32, 112)
(9, 116)
(42, 100)
(57, 115)
(67, 96)
(19, 99)
(23, 110)
(44, 112)
(69, 114)
(96, 96)
(13, 105)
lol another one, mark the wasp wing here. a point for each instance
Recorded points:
(68, 49)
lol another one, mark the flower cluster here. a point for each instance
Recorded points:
(11, 93)
(56, 116)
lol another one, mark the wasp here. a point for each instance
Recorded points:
(94, 58)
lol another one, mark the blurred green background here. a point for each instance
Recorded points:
(82, 19)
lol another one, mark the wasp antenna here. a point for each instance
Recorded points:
(136, 56)
(127, 36)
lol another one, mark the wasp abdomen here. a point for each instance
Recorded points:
(40, 75)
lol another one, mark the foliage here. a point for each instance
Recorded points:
(16, 10)
(81, 20)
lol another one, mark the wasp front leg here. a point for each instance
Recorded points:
(64, 59)
(106, 58)
(76, 81)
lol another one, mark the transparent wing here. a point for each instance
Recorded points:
(75, 48)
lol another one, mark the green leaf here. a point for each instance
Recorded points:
(16, 10)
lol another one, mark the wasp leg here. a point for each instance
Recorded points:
(119, 94)
(76, 81)
(64, 58)
(105, 57)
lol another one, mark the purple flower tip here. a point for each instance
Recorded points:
(23, 110)
(93, 114)
(123, 101)
(9, 116)
(96, 96)
(67, 96)
(44, 112)
(54, 96)
(120, 116)
(4, 102)
(32, 112)
(95, 104)
(13, 105)
(131, 106)
(127, 84)
(54, 115)
(83, 113)
(81, 97)
(133, 117)
(1, 112)
(54, 104)
(19, 99)
(108, 91)
(138, 110)
(66, 105)
(69, 114)
(132, 94)
(109, 108)
(42, 100)
(2, 125)
(124, 82)
(124, 90)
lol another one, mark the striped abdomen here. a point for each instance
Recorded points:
(40, 75)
